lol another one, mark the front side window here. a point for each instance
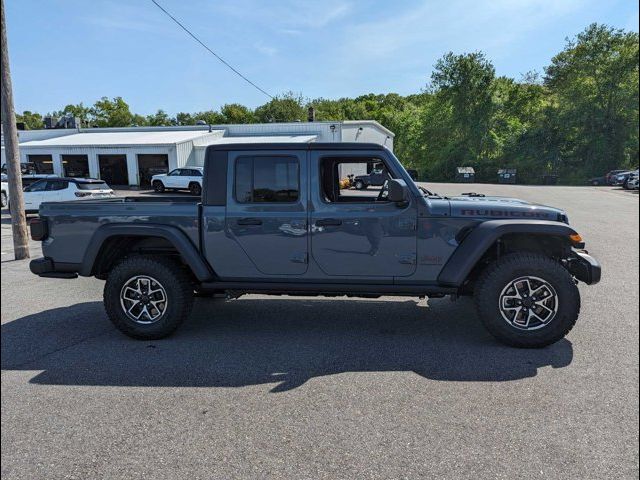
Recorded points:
(267, 179)
(174, 173)
(354, 179)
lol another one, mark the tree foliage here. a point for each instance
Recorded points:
(578, 121)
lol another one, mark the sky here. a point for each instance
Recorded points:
(71, 51)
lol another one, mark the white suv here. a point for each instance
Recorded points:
(187, 178)
(63, 190)
(5, 190)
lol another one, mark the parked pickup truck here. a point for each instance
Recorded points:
(273, 220)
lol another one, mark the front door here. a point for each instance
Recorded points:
(33, 194)
(359, 233)
(267, 209)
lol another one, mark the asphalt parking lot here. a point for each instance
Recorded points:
(269, 387)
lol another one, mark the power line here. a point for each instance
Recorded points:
(211, 51)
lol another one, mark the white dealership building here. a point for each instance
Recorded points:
(129, 156)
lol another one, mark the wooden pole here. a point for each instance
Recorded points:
(16, 201)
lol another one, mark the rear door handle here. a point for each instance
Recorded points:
(249, 221)
(329, 222)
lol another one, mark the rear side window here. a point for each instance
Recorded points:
(267, 179)
(53, 185)
(92, 186)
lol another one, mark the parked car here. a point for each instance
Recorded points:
(598, 181)
(632, 181)
(188, 178)
(4, 194)
(27, 180)
(611, 176)
(621, 179)
(273, 219)
(376, 178)
(63, 189)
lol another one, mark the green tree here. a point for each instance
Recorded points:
(111, 113)
(236, 113)
(457, 120)
(210, 117)
(31, 120)
(184, 118)
(79, 111)
(160, 119)
(594, 82)
(285, 108)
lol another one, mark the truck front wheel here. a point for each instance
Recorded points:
(148, 298)
(527, 300)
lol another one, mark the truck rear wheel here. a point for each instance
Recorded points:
(360, 185)
(148, 298)
(527, 300)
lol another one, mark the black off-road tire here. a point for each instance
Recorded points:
(498, 275)
(195, 189)
(158, 186)
(360, 185)
(171, 275)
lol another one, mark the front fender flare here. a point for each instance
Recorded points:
(175, 236)
(476, 244)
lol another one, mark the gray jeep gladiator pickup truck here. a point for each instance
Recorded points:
(273, 219)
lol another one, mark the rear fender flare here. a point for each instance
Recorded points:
(177, 238)
(480, 239)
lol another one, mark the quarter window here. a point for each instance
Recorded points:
(267, 179)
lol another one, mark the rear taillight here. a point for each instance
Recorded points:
(83, 194)
(39, 229)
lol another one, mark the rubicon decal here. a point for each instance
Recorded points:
(503, 213)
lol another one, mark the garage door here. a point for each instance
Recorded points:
(113, 169)
(75, 166)
(150, 165)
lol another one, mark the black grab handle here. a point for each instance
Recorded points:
(329, 222)
(249, 221)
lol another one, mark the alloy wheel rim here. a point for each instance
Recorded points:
(528, 303)
(143, 299)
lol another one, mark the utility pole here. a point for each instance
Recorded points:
(16, 201)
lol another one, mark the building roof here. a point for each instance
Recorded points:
(120, 139)
(262, 139)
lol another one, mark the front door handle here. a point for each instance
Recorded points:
(249, 221)
(329, 222)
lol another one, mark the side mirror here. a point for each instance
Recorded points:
(398, 191)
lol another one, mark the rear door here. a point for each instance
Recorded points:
(266, 209)
(54, 190)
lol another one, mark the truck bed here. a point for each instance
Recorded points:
(71, 225)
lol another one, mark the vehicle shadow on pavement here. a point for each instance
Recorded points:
(253, 341)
